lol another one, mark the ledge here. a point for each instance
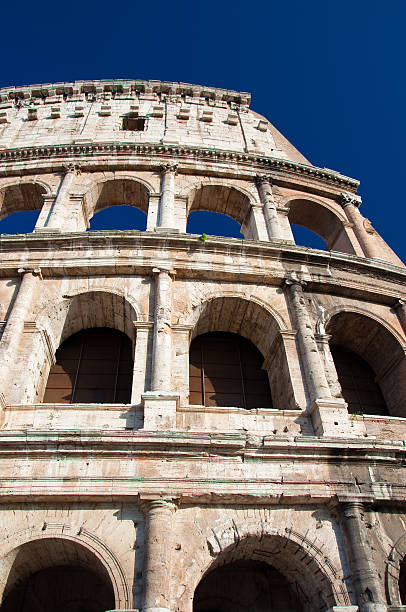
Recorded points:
(124, 149)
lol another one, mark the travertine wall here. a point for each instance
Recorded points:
(152, 495)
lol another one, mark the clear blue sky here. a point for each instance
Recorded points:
(329, 74)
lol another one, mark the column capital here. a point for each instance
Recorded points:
(292, 279)
(169, 167)
(260, 179)
(349, 198)
(150, 503)
(399, 303)
(169, 271)
(74, 168)
(33, 271)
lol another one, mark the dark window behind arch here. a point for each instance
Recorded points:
(92, 366)
(118, 218)
(358, 385)
(213, 224)
(225, 370)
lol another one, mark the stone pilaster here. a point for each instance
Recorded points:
(48, 202)
(59, 211)
(157, 554)
(14, 328)
(329, 414)
(142, 359)
(360, 225)
(167, 203)
(264, 187)
(162, 349)
(160, 403)
(365, 578)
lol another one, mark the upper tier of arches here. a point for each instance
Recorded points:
(164, 200)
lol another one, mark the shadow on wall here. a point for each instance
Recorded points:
(213, 224)
(22, 222)
(119, 218)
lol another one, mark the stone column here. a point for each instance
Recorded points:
(314, 371)
(350, 203)
(264, 187)
(167, 204)
(329, 414)
(44, 214)
(400, 308)
(157, 554)
(15, 324)
(59, 210)
(160, 403)
(367, 584)
(162, 349)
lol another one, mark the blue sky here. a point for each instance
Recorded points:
(328, 74)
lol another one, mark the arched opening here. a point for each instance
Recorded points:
(358, 385)
(21, 222)
(370, 364)
(323, 222)
(56, 575)
(212, 224)
(238, 317)
(261, 572)
(225, 201)
(118, 218)
(307, 238)
(402, 582)
(245, 586)
(92, 366)
(117, 193)
(225, 369)
(20, 206)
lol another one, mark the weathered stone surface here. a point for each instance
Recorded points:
(153, 496)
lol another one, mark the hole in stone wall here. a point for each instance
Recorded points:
(119, 218)
(22, 222)
(213, 224)
(307, 238)
(134, 124)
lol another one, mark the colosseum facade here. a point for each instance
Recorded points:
(192, 423)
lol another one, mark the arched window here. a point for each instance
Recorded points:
(225, 370)
(246, 586)
(357, 380)
(92, 366)
(213, 224)
(21, 222)
(402, 582)
(119, 218)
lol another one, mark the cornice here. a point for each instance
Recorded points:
(281, 258)
(259, 163)
(123, 86)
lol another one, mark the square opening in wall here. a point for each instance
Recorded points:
(134, 124)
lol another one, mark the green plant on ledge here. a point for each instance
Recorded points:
(203, 238)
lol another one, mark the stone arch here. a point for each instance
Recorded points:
(83, 309)
(298, 556)
(322, 219)
(81, 547)
(392, 571)
(253, 319)
(23, 195)
(221, 198)
(117, 191)
(376, 342)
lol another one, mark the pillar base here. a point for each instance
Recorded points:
(156, 610)
(170, 230)
(343, 609)
(159, 413)
(47, 230)
(330, 418)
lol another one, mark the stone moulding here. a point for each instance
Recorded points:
(258, 162)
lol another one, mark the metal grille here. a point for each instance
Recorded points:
(92, 366)
(358, 385)
(225, 370)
